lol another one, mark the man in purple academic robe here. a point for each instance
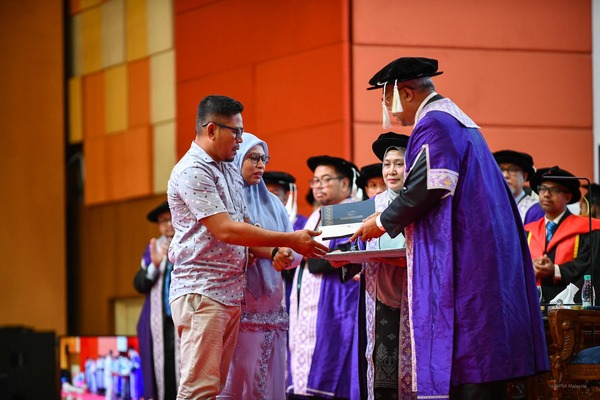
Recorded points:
(475, 316)
(322, 333)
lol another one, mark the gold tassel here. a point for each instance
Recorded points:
(396, 104)
(386, 116)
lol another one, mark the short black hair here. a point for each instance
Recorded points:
(217, 105)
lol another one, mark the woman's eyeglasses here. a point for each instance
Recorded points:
(255, 158)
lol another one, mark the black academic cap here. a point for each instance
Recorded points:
(161, 208)
(404, 69)
(278, 177)
(523, 160)
(367, 172)
(387, 140)
(550, 174)
(344, 167)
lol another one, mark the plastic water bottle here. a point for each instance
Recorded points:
(587, 292)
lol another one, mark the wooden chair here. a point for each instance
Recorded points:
(575, 338)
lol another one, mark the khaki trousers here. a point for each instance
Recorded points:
(208, 332)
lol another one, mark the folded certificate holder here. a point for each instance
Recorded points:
(341, 220)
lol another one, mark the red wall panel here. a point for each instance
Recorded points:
(533, 25)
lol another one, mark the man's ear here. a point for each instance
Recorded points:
(408, 94)
(345, 183)
(210, 130)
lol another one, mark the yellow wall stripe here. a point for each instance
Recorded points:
(162, 87)
(113, 33)
(91, 40)
(137, 45)
(160, 25)
(165, 153)
(116, 99)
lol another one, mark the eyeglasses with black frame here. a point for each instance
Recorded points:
(255, 158)
(237, 132)
(552, 190)
(511, 170)
(323, 182)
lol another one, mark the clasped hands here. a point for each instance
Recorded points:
(282, 260)
(543, 267)
(158, 250)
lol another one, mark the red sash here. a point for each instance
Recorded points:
(565, 240)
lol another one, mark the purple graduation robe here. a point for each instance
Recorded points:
(322, 331)
(474, 311)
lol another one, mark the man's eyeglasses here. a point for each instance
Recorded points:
(552, 190)
(255, 158)
(323, 182)
(164, 221)
(511, 170)
(237, 132)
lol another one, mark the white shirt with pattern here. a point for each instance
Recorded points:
(200, 187)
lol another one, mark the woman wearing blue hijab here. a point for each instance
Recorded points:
(258, 365)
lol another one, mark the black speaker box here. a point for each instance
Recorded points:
(28, 365)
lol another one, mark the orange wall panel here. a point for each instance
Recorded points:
(94, 124)
(129, 163)
(138, 93)
(313, 97)
(33, 291)
(187, 5)
(509, 24)
(516, 88)
(255, 31)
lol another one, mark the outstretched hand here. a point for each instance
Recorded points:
(303, 243)
(368, 230)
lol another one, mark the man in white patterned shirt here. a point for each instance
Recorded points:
(209, 249)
